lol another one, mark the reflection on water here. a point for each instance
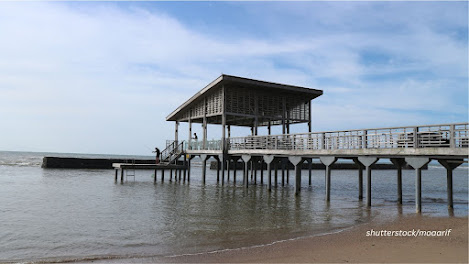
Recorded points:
(74, 214)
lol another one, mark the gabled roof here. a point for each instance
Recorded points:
(234, 80)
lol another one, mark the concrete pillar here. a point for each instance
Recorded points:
(283, 173)
(189, 168)
(246, 159)
(218, 168)
(189, 140)
(204, 125)
(417, 163)
(222, 160)
(297, 162)
(450, 165)
(185, 167)
(203, 157)
(176, 132)
(360, 178)
(268, 160)
(235, 162)
(204, 136)
(228, 167)
(399, 163)
(262, 170)
(367, 162)
(254, 167)
(328, 161)
(276, 173)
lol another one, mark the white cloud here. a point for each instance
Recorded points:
(103, 78)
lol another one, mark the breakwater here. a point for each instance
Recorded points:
(87, 163)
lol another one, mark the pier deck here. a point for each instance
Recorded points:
(236, 101)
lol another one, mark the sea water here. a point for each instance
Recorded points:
(70, 214)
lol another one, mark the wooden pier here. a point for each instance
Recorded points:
(235, 101)
(180, 171)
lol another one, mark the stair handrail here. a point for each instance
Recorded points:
(173, 148)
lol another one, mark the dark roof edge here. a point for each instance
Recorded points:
(271, 84)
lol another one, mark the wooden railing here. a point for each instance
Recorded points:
(440, 136)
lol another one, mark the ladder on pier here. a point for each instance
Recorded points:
(130, 172)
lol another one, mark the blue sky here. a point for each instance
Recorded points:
(100, 77)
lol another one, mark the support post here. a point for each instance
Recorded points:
(235, 168)
(203, 157)
(228, 167)
(246, 159)
(218, 169)
(162, 175)
(268, 159)
(417, 163)
(122, 175)
(223, 167)
(262, 171)
(297, 162)
(204, 125)
(399, 163)
(450, 165)
(170, 175)
(185, 167)
(360, 178)
(283, 173)
(367, 162)
(176, 132)
(154, 179)
(189, 140)
(328, 161)
(310, 167)
(189, 168)
(116, 172)
(276, 174)
(254, 166)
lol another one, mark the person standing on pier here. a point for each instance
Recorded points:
(195, 140)
(157, 158)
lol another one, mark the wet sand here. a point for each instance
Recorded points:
(352, 245)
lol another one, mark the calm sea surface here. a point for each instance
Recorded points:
(60, 215)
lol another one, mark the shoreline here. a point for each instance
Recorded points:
(345, 245)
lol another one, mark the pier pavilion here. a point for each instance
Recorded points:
(235, 101)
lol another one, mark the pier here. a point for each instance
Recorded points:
(235, 101)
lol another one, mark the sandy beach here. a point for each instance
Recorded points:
(353, 245)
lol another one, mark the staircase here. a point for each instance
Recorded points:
(172, 152)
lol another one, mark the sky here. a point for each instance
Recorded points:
(101, 77)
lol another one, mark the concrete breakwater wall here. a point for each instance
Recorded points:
(83, 163)
(320, 166)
